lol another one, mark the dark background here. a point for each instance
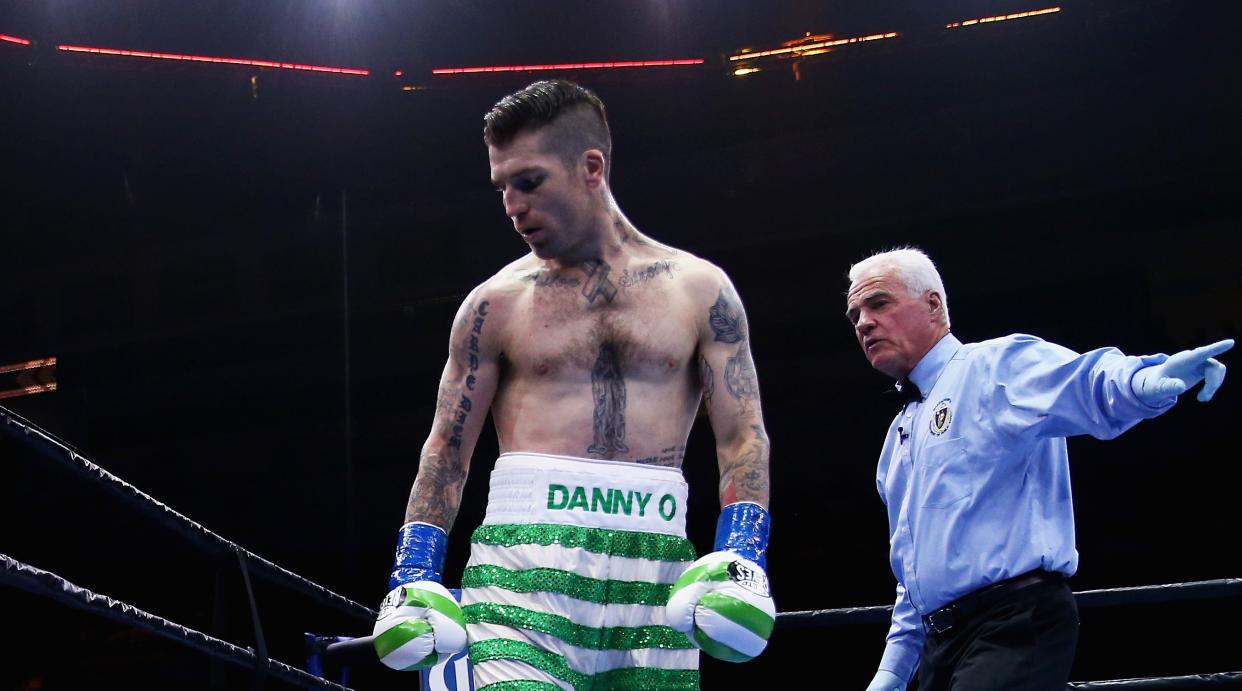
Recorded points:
(249, 284)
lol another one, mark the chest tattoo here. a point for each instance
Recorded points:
(598, 284)
(647, 273)
(608, 391)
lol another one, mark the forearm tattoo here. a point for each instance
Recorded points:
(436, 495)
(745, 478)
(608, 390)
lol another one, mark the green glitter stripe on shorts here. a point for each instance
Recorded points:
(520, 685)
(629, 678)
(618, 543)
(546, 580)
(542, 660)
(606, 638)
(624, 679)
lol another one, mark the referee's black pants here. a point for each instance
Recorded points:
(1024, 642)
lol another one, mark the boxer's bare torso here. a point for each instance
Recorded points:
(600, 343)
(599, 361)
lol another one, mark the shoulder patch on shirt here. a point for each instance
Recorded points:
(941, 417)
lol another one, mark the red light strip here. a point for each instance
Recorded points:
(1001, 18)
(30, 364)
(204, 58)
(33, 376)
(812, 46)
(28, 390)
(568, 66)
(14, 39)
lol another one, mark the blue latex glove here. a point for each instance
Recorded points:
(1156, 384)
(886, 681)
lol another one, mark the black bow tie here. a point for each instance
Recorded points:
(908, 392)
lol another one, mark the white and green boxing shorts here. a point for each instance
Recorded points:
(569, 574)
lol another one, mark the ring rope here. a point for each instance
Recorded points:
(53, 448)
(361, 652)
(48, 584)
(1158, 594)
(1222, 680)
(1144, 594)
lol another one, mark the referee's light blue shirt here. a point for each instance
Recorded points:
(975, 476)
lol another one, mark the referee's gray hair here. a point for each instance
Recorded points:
(912, 267)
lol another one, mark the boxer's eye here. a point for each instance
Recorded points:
(528, 184)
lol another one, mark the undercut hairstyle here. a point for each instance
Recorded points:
(912, 267)
(571, 118)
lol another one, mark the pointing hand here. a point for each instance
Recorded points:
(1156, 384)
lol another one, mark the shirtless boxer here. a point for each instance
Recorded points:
(593, 353)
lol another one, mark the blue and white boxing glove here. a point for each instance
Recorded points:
(420, 622)
(722, 601)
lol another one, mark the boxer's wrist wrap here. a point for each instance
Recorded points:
(421, 549)
(743, 527)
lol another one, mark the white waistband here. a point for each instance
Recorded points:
(563, 490)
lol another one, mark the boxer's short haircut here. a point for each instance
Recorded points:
(571, 118)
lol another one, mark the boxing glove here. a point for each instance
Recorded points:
(419, 623)
(722, 601)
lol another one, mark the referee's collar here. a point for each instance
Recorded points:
(925, 374)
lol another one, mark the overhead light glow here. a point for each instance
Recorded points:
(743, 71)
(1001, 18)
(204, 58)
(812, 48)
(568, 66)
(14, 39)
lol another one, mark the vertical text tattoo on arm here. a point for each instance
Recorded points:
(436, 494)
(465, 405)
